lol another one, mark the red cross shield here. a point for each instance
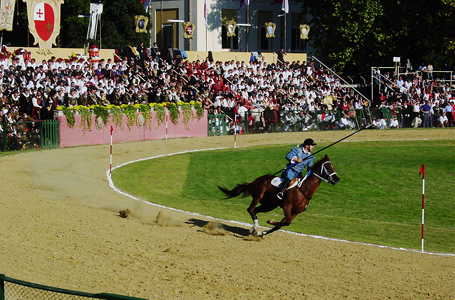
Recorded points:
(44, 20)
(189, 30)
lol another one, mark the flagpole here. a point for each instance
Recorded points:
(285, 48)
(100, 31)
(161, 26)
(206, 27)
(247, 28)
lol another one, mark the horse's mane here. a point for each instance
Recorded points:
(318, 163)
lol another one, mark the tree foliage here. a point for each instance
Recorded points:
(73, 30)
(119, 27)
(357, 34)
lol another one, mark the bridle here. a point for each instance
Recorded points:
(325, 171)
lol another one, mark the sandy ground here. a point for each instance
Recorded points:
(60, 226)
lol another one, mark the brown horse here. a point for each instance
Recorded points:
(295, 199)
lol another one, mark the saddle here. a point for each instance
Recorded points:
(277, 181)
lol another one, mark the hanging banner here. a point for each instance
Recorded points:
(7, 14)
(188, 30)
(141, 23)
(270, 30)
(96, 9)
(304, 30)
(230, 28)
(44, 22)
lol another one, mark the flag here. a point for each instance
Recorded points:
(96, 9)
(285, 6)
(205, 12)
(422, 170)
(244, 3)
(7, 14)
(146, 4)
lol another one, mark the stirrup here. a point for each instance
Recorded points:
(280, 195)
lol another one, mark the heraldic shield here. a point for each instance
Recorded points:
(44, 22)
(141, 23)
(304, 31)
(188, 30)
(230, 28)
(270, 30)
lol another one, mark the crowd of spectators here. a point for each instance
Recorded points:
(416, 98)
(294, 94)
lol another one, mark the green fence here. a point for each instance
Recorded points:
(11, 288)
(29, 135)
(218, 125)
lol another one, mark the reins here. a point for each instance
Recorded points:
(327, 172)
(318, 176)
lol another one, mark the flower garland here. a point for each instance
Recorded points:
(175, 114)
(199, 110)
(86, 116)
(146, 113)
(117, 115)
(160, 113)
(101, 111)
(69, 114)
(187, 112)
(130, 112)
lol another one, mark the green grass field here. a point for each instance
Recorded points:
(379, 198)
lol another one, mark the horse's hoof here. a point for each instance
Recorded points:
(259, 234)
(271, 222)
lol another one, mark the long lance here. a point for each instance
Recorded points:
(312, 155)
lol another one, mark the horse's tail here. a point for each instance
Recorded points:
(237, 190)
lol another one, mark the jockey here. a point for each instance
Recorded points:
(299, 158)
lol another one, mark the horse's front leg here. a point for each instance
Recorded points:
(286, 221)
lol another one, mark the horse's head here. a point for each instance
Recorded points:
(327, 172)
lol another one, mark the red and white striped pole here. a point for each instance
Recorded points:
(422, 171)
(235, 131)
(110, 158)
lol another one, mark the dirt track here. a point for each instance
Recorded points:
(60, 227)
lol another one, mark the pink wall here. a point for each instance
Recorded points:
(77, 136)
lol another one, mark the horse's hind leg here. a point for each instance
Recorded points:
(262, 208)
(252, 211)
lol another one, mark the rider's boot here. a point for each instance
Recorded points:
(283, 186)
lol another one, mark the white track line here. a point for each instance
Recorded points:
(111, 184)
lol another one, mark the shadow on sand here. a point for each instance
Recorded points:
(243, 232)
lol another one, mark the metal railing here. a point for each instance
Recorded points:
(11, 288)
(294, 120)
